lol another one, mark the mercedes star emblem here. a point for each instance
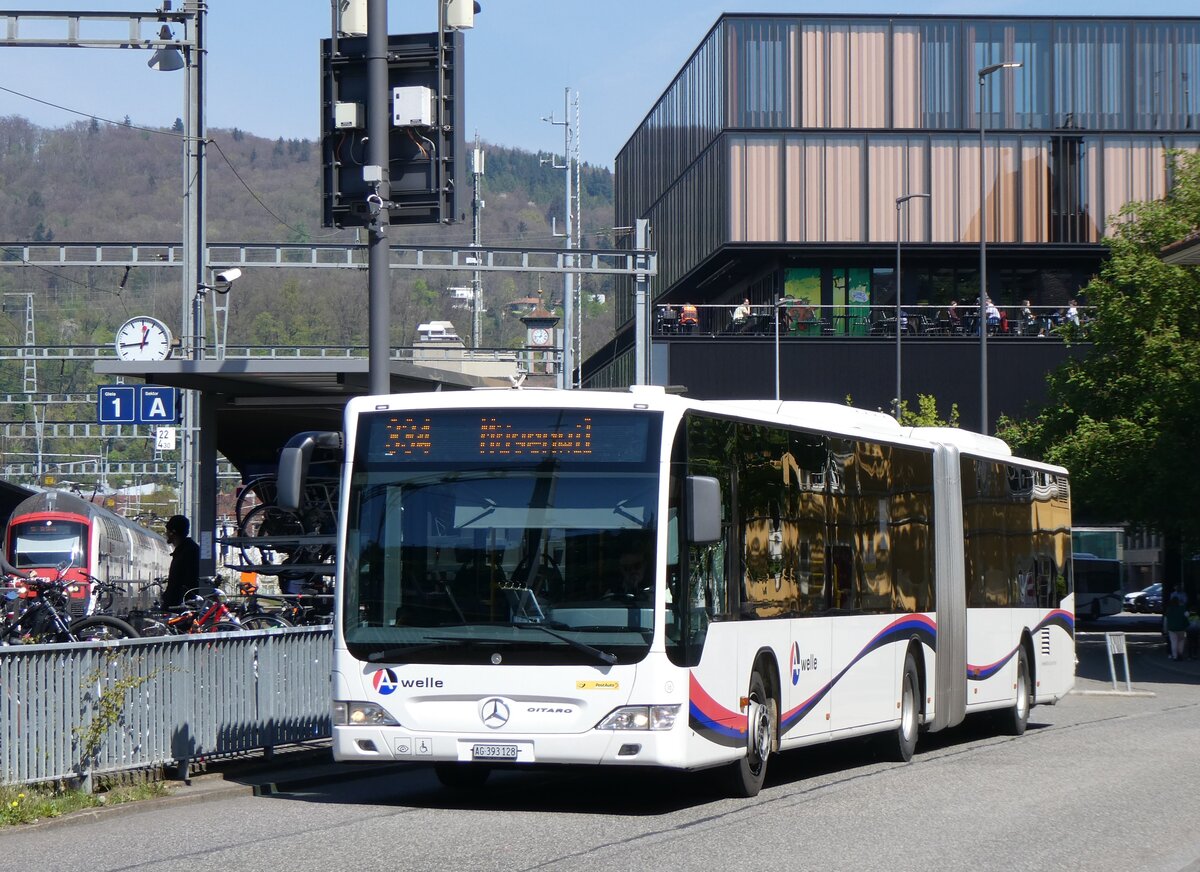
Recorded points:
(494, 713)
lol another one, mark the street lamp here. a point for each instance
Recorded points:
(782, 301)
(900, 201)
(983, 380)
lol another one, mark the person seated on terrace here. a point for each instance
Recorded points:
(801, 316)
(955, 317)
(742, 312)
(689, 316)
(1073, 312)
(993, 316)
(1029, 321)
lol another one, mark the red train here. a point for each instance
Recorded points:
(54, 528)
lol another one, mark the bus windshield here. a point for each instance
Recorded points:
(528, 537)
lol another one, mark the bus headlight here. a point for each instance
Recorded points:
(361, 714)
(641, 717)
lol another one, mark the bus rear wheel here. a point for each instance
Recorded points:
(1017, 717)
(746, 774)
(902, 743)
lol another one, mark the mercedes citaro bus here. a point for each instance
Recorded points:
(815, 572)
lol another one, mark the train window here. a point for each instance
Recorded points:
(48, 543)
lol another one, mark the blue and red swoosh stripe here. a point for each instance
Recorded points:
(1057, 618)
(726, 727)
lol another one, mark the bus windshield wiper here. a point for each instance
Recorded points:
(604, 656)
(400, 653)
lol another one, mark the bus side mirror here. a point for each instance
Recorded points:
(293, 466)
(704, 510)
(289, 480)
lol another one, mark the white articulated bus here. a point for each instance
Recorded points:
(635, 578)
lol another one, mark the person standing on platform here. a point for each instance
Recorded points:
(184, 574)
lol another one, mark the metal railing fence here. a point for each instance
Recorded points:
(82, 709)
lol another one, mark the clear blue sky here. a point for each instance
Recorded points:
(263, 62)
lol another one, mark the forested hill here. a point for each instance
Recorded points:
(100, 182)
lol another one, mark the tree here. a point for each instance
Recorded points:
(926, 414)
(1124, 417)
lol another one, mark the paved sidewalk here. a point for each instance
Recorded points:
(255, 774)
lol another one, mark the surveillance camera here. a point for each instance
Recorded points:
(228, 276)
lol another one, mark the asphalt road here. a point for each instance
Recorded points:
(1099, 782)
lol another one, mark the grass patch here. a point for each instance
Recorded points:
(30, 803)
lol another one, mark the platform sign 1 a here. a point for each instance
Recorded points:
(137, 404)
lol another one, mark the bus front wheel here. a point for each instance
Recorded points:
(748, 773)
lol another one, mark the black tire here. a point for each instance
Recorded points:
(226, 627)
(746, 774)
(901, 743)
(462, 776)
(266, 522)
(1016, 719)
(259, 491)
(264, 622)
(102, 628)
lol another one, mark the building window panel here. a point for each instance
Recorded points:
(940, 74)
(1116, 178)
(946, 205)
(1004, 205)
(837, 76)
(906, 88)
(759, 57)
(968, 188)
(866, 75)
(794, 190)
(844, 200)
(1035, 183)
(886, 182)
(918, 211)
(737, 189)
(815, 178)
(762, 189)
(813, 43)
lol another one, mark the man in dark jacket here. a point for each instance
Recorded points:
(184, 574)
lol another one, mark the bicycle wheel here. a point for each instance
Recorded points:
(149, 626)
(267, 523)
(265, 622)
(225, 627)
(99, 628)
(259, 491)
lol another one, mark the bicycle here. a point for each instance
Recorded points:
(205, 612)
(270, 532)
(253, 616)
(35, 615)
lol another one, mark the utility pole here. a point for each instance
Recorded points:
(641, 306)
(195, 251)
(578, 334)
(477, 161)
(30, 348)
(379, 114)
(566, 376)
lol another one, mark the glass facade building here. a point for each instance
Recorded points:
(778, 152)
